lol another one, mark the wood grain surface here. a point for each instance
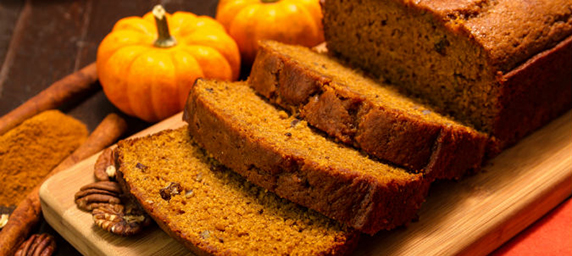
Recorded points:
(469, 217)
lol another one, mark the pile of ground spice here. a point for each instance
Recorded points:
(31, 150)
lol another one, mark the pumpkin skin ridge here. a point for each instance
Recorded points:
(201, 22)
(142, 40)
(222, 38)
(128, 71)
(228, 75)
(124, 24)
(181, 21)
(248, 22)
(165, 85)
(139, 90)
(227, 65)
(182, 70)
(314, 27)
(225, 8)
(185, 86)
(172, 50)
(247, 14)
(314, 11)
(125, 105)
(233, 60)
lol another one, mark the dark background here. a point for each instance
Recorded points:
(43, 41)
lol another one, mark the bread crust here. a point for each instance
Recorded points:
(438, 150)
(534, 93)
(358, 200)
(511, 32)
(137, 195)
(345, 245)
(506, 65)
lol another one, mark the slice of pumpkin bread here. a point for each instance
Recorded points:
(282, 154)
(215, 211)
(359, 111)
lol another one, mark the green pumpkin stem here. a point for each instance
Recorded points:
(269, 1)
(164, 40)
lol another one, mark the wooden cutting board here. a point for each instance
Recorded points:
(472, 216)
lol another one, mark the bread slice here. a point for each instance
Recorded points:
(212, 210)
(282, 154)
(359, 111)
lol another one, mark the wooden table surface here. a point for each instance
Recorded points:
(42, 41)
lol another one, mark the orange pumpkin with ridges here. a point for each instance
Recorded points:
(287, 21)
(147, 65)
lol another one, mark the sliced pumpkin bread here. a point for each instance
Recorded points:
(282, 154)
(359, 111)
(214, 211)
(505, 66)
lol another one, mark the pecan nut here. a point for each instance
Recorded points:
(104, 168)
(43, 245)
(121, 220)
(4, 220)
(172, 189)
(98, 194)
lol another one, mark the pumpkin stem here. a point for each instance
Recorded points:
(269, 1)
(165, 40)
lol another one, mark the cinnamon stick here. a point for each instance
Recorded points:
(27, 215)
(52, 97)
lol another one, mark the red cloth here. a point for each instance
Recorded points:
(551, 235)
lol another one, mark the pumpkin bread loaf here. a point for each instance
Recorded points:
(215, 211)
(361, 112)
(504, 66)
(282, 154)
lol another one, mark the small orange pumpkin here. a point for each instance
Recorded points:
(147, 73)
(287, 21)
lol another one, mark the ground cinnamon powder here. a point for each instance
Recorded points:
(31, 150)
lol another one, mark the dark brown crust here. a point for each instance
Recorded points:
(342, 248)
(531, 54)
(534, 93)
(385, 133)
(360, 201)
(509, 31)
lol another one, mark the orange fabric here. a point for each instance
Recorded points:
(551, 235)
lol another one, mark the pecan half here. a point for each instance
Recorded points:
(43, 245)
(172, 189)
(121, 220)
(104, 168)
(4, 220)
(98, 194)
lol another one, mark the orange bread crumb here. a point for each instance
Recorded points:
(503, 66)
(282, 154)
(213, 210)
(357, 110)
